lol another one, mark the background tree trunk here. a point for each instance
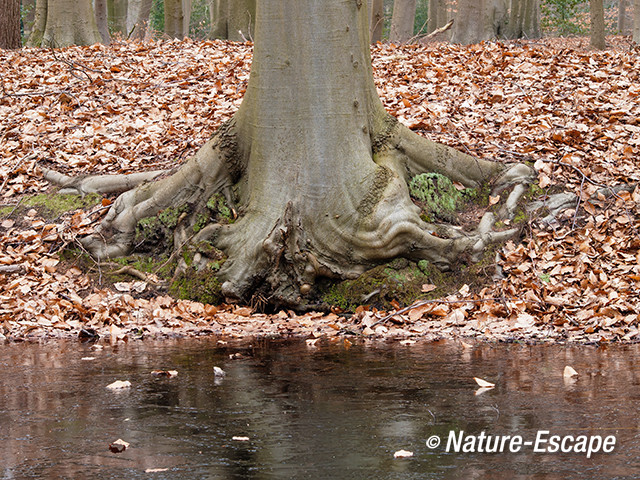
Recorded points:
(138, 17)
(102, 20)
(402, 20)
(479, 20)
(234, 19)
(622, 16)
(524, 19)
(60, 23)
(596, 9)
(10, 24)
(117, 17)
(186, 17)
(173, 19)
(636, 21)
(377, 20)
(437, 15)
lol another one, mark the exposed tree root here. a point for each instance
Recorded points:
(283, 255)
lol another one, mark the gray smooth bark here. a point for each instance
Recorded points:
(402, 20)
(636, 21)
(377, 20)
(479, 20)
(60, 23)
(596, 9)
(233, 19)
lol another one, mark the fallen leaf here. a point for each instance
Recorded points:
(403, 454)
(119, 385)
(569, 372)
(484, 383)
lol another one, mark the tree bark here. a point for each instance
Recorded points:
(310, 108)
(402, 20)
(622, 16)
(102, 22)
(10, 24)
(173, 19)
(234, 19)
(117, 15)
(60, 23)
(479, 20)
(377, 20)
(138, 15)
(524, 19)
(596, 9)
(437, 15)
(636, 21)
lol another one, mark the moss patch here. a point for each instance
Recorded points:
(52, 205)
(201, 286)
(401, 281)
(217, 204)
(438, 196)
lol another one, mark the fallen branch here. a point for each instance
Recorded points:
(128, 270)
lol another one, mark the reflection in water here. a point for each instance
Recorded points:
(327, 412)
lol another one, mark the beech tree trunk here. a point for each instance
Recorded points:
(174, 19)
(138, 18)
(402, 20)
(10, 24)
(60, 23)
(622, 16)
(524, 19)
(636, 21)
(437, 15)
(315, 167)
(102, 20)
(377, 20)
(596, 9)
(117, 15)
(233, 19)
(479, 20)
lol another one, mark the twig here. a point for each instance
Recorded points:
(129, 270)
(427, 302)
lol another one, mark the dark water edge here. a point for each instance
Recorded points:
(331, 411)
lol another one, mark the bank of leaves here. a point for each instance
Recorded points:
(130, 106)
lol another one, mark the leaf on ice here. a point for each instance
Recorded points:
(119, 385)
(484, 383)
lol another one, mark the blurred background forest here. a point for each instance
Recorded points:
(555, 17)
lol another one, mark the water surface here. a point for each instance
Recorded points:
(327, 412)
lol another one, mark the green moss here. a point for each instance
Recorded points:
(169, 217)
(219, 208)
(53, 205)
(200, 286)
(438, 196)
(201, 222)
(6, 211)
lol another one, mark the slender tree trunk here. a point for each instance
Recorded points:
(100, 7)
(173, 19)
(138, 16)
(10, 24)
(636, 21)
(234, 19)
(377, 20)
(117, 15)
(622, 16)
(60, 23)
(437, 15)
(186, 17)
(402, 20)
(596, 8)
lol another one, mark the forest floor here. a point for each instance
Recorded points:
(572, 112)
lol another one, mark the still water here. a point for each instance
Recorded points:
(329, 412)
